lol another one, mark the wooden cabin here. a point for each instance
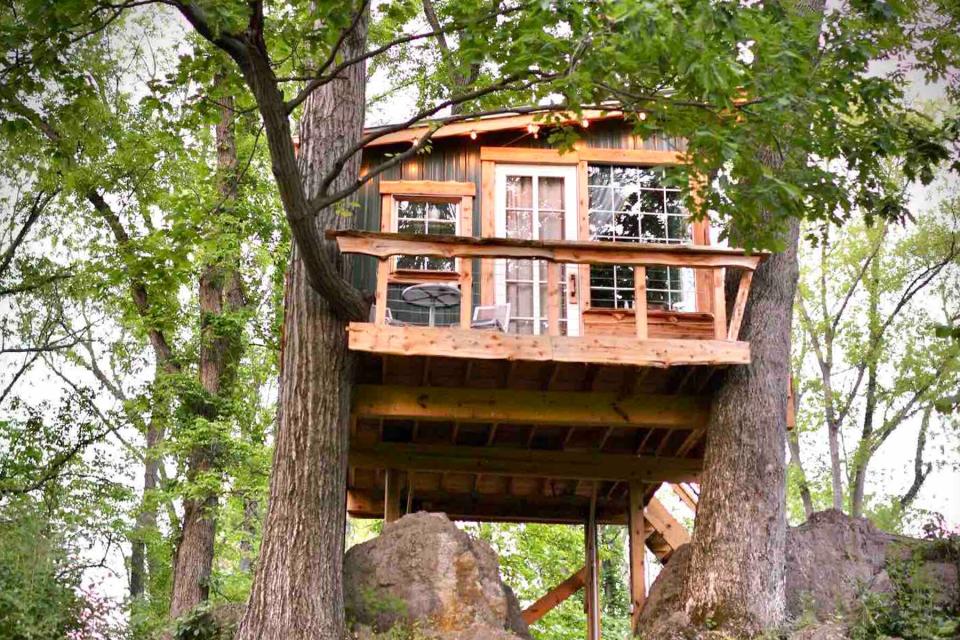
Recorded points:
(546, 335)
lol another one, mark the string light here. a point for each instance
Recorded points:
(585, 123)
(473, 135)
(642, 115)
(534, 129)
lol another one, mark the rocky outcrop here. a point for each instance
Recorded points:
(832, 560)
(424, 573)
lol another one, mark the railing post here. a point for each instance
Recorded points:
(719, 306)
(383, 276)
(640, 301)
(553, 299)
(466, 292)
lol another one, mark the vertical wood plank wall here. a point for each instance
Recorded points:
(459, 159)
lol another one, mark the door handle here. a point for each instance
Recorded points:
(572, 288)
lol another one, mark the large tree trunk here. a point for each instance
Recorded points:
(297, 590)
(220, 293)
(736, 579)
(737, 564)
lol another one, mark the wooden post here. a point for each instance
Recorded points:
(466, 265)
(391, 496)
(637, 536)
(553, 299)
(736, 318)
(383, 278)
(592, 594)
(719, 306)
(487, 228)
(640, 301)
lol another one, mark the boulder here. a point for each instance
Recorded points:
(425, 573)
(831, 560)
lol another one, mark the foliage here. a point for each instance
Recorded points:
(869, 368)
(916, 609)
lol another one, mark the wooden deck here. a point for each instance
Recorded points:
(487, 425)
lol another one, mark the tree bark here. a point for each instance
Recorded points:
(864, 448)
(736, 579)
(220, 293)
(297, 590)
(147, 518)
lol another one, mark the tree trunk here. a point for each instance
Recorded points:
(220, 293)
(736, 579)
(865, 446)
(297, 589)
(147, 518)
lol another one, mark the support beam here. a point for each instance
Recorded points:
(536, 463)
(560, 408)
(592, 598)
(636, 531)
(391, 496)
(444, 342)
(555, 596)
(666, 525)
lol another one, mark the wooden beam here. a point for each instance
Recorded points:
(555, 596)
(553, 299)
(535, 463)
(719, 306)
(739, 304)
(485, 125)
(640, 301)
(666, 525)
(688, 498)
(566, 408)
(391, 496)
(636, 531)
(498, 507)
(448, 342)
(592, 598)
(428, 188)
(385, 245)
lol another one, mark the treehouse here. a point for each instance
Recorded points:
(546, 335)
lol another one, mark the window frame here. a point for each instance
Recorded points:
(586, 284)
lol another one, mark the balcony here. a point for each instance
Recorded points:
(659, 338)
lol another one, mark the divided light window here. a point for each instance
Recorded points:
(423, 215)
(633, 204)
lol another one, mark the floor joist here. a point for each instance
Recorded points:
(574, 409)
(536, 463)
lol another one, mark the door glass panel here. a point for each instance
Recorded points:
(535, 210)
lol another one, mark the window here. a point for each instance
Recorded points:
(633, 204)
(426, 216)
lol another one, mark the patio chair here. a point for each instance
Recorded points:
(389, 317)
(496, 316)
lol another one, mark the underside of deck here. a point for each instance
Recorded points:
(520, 440)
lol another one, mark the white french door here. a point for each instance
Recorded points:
(534, 202)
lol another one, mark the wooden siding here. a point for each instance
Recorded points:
(458, 159)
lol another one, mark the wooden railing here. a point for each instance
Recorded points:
(384, 246)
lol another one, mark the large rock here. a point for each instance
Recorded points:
(425, 573)
(832, 560)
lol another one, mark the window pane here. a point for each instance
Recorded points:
(598, 174)
(519, 224)
(600, 198)
(411, 226)
(628, 226)
(519, 192)
(411, 209)
(674, 202)
(442, 228)
(550, 193)
(551, 225)
(652, 228)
